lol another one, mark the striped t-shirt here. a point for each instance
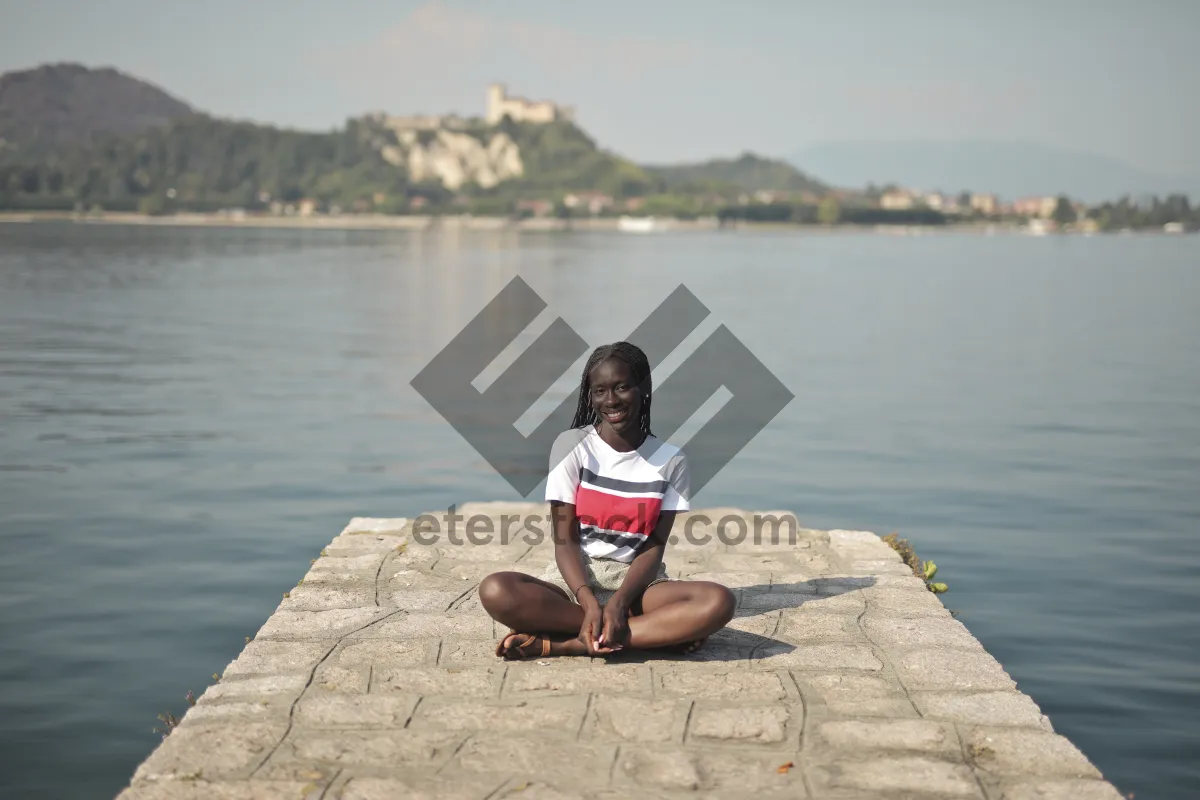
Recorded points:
(617, 496)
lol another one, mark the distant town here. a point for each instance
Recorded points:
(520, 161)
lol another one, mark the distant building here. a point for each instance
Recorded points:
(306, 207)
(518, 109)
(985, 203)
(536, 208)
(897, 199)
(935, 200)
(1036, 207)
(594, 202)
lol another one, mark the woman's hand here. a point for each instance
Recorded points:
(616, 625)
(593, 621)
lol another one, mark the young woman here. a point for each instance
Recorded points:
(614, 489)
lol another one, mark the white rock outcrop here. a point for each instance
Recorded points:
(454, 158)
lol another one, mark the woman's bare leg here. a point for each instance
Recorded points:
(679, 612)
(530, 605)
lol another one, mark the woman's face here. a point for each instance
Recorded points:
(615, 396)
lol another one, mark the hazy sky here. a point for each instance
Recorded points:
(670, 81)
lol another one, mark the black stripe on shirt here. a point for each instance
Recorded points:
(632, 540)
(641, 487)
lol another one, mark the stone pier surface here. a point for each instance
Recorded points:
(841, 676)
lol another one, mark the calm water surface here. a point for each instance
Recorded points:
(187, 416)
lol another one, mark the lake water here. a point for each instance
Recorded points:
(187, 416)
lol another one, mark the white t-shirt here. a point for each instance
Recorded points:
(617, 496)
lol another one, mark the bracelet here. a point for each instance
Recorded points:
(576, 591)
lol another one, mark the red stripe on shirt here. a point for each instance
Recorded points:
(616, 513)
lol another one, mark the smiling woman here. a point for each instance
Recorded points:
(614, 490)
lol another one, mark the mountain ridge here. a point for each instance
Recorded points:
(1008, 168)
(67, 104)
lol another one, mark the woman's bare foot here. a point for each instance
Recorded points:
(521, 646)
(687, 648)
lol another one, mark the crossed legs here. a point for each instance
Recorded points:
(672, 612)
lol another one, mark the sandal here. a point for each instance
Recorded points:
(506, 650)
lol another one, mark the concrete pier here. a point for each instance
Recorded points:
(841, 676)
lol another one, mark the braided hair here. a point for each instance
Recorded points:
(639, 367)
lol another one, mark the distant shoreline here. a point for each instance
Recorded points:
(347, 222)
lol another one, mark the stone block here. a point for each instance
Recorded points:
(237, 712)
(413, 557)
(481, 652)
(845, 603)
(727, 648)
(212, 751)
(1060, 790)
(326, 710)
(331, 624)
(1026, 752)
(893, 602)
(982, 708)
(918, 776)
(840, 584)
(562, 714)
(841, 539)
(493, 551)
(773, 601)
(934, 669)
(318, 597)
(742, 724)
(381, 525)
(407, 578)
(626, 679)
(528, 756)
(907, 633)
(877, 567)
(360, 544)
(743, 685)
(366, 565)
(428, 624)
(475, 571)
(760, 624)
(886, 734)
(805, 626)
(855, 695)
(730, 580)
(266, 686)
(432, 600)
(191, 789)
(340, 579)
(657, 771)
(457, 787)
(817, 657)
(619, 720)
(352, 653)
(385, 748)
(467, 682)
(341, 680)
(275, 658)
(734, 561)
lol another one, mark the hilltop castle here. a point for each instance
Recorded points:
(518, 109)
(499, 106)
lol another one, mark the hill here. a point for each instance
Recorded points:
(58, 105)
(1009, 169)
(81, 137)
(201, 162)
(747, 173)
